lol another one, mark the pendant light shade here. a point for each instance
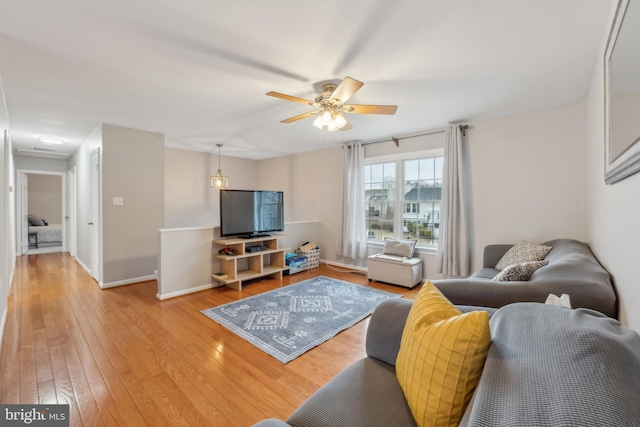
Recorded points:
(218, 180)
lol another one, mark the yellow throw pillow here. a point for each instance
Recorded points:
(441, 357)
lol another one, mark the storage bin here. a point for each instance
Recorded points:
(400, 271)
(313, 257)
(296, 265)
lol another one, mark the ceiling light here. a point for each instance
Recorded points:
(51, 139)
(218, 180)
(318, 122)
(339, 120)
(326, 117)
(333, 120)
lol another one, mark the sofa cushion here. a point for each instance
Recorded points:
(522, 252)
(366, 393)
(550, 366)
(519, 272)
(404, 248)
(441, 356)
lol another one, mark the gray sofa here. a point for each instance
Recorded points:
(572, 270)
(546, 366)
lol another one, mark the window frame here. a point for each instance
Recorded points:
(400, 203)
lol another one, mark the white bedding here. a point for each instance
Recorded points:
(47, 233)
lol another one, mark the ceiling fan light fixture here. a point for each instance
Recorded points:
(339, 120)
(318, 122)
(332, 126)
(331, 103)
(326, 117)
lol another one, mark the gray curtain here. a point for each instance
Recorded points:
(354, 232)
(453, 248)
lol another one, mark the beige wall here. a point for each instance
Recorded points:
(81, 160)
(45, 197)
(526, 177)
(189, 201)
(312, 185)
(6, 253)
(525, 181)
(132, 169)
(612, 224)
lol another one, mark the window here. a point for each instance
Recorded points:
(380, 197)
(411, 208)
(410, 186)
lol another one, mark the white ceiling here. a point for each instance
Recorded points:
(198, 70)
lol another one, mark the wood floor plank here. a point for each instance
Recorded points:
(120, 357)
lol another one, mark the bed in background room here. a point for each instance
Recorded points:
(41, 232)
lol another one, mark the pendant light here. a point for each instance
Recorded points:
(218, 180)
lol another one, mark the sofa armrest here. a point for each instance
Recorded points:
(493, 253)
(385, 329)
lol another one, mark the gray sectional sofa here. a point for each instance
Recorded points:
(572, 270)
(546, 366)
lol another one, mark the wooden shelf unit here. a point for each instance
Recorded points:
(269, 262)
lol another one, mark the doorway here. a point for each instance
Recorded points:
(41, 207)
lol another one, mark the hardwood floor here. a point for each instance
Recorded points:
(120, 357)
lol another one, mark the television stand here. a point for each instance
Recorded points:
(236, 269)
(254, 236)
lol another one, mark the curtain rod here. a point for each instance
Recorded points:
(396, 140)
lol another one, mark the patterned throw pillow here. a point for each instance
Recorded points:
(523, 252)
(519, 272)
(441, 357)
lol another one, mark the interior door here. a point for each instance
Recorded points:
(71, 212)
(24, 217)
(94, 223)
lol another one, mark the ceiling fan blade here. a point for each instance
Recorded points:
(290, 98)
(299, 117)
(346, 89)
(370, 109)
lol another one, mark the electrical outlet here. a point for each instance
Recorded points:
(118, 201)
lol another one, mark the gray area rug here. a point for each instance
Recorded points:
(289, 321)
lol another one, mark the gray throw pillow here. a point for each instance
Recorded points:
(399, 247)
(34, 220)
(520, 272)
(523, 252)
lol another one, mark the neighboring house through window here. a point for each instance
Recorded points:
(403, 197)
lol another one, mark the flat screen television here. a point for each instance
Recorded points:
(250, 213)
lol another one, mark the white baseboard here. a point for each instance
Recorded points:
(340, 264)
(127, 282)
(186, 291)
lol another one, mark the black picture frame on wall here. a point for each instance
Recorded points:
(622, 93)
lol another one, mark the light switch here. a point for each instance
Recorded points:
(118, 201)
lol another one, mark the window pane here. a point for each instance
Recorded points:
(411, 170)
(439, 161)
(380, 195)
(380, 217)
(421, 200)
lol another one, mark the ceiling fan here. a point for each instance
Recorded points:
(331, 104)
